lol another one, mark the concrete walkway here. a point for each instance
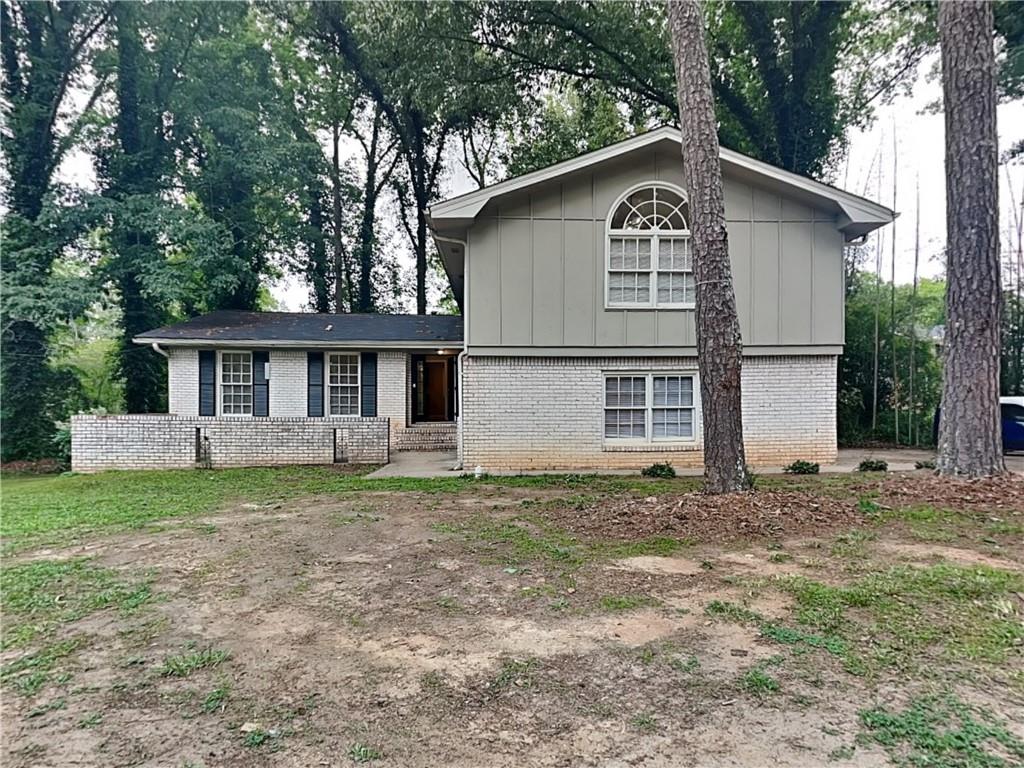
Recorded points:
(441, 463)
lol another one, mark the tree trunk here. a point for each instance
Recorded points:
(342, 273)
(719, 347)
(969, 433)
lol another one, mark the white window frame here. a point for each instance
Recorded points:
(649, 407)
(221, 384)
(654, 235)
(327, 384)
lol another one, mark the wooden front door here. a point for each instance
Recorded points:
(436, 399)
(433, 388)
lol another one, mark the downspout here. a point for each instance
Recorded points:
(460, 360)
(156, 348)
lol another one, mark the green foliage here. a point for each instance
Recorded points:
(658, 470)
(569, 122)
(873, 465)
(789, 78)
(801, 467)
(926, 464)
(942, 730)
(856, 365)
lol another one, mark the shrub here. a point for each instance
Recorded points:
(873, 465)
(658, 470)
(801, 467)
(926, 464)
(62, 445)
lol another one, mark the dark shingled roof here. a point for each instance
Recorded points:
(235, 325)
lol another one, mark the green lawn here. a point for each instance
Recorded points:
(40, 510)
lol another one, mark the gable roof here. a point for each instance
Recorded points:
(857, 215)
(308, 329)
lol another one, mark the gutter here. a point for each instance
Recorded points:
(461, 360)
(156, 348)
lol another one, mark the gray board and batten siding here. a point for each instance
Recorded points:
(537, 266)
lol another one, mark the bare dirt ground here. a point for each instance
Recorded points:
(499, 627)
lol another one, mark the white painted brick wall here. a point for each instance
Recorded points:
(160, 441)
(183, 381)
(543, 413)
(393, 388)
(288, 374)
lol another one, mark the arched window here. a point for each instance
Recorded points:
(650, 263)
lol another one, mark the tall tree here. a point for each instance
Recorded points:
(419, 63)
(789, 77)
(44, 50)
(719, 346)
(969, 435)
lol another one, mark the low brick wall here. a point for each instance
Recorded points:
(161, 441)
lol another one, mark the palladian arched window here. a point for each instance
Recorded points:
(650, 263)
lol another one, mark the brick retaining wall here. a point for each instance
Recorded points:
(161, 441)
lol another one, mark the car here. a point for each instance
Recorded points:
(1012, 409)
(1013, 423)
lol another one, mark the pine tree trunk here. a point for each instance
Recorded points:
(719, 347)
(969, 434)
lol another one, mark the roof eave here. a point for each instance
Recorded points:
(460, 212)
(304, 344)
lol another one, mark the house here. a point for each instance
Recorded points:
(578, 346)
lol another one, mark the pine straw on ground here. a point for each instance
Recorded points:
(781, 513)
(757, 514)
(991, 494)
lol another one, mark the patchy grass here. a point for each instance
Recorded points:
(47, 593)
(185, 664)
(759, 683)
(30, 672)
(529, 538)
(898, 614)
(364, 753)
(644, 721)
(53, 509)
(514, 672)
(941, 730)
(217, 699)
(618, 603)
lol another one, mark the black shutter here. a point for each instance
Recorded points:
(260, 384)
(207, 382)
(368, 384)
(315, 383)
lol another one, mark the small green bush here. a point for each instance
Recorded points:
(927, 464)
(801, 467)
(62, 445)
(658, 470)
(873, 465)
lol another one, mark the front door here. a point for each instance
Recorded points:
(436, 401)
(433, 388)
